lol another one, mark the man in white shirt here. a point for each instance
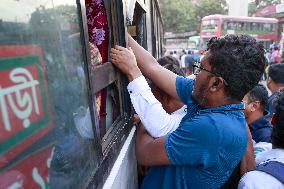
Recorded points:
(266, 178)
(159, 112)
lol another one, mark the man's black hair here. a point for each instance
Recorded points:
(240, 60)
(259, 93)
(276, 73)
(172, 64)
(277, 135)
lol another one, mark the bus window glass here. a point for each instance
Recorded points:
(273, 27)
(225, 25)
(267, 27)
(232, 25)
(239, 25)
(111, 109)
(47, 139)
(246, 26)
(210, 25)
(106, 97)
(254, 26)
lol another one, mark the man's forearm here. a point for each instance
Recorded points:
(150, 151)
(149, 67)
(146, 62)
(248, 161)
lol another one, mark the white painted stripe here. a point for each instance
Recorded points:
(119, 160)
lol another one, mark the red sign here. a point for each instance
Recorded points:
(25, 115)
(31, 172)
(269, 10)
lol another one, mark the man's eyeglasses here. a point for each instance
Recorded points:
(197, 68)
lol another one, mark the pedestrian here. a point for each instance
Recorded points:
(175, 55)
(269, 174)
(211, 139)
(182, 60)
(275, 83)
(189, 61)
(275, 56)
(256, 115)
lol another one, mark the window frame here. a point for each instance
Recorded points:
(110, 145)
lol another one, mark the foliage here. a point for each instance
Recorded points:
(178, 15)
(208, 7)
(184, 15)
(257, 4)
(251, 8)
(264, 3)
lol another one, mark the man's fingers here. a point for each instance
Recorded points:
(113, 55)
(120, 48)
(115, 51)
(112, 60)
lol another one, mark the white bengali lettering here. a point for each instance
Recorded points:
(38, 179)
(23, 104)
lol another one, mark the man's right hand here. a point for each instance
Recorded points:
(124, 59)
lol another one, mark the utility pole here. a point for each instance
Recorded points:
(238, 7)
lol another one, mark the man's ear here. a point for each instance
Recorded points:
(216, 83)
(255, 106)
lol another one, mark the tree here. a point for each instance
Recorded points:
(257, 4)
(208, 7)
(177, 15)
(251, 8)
(184, 15)
(264, 3)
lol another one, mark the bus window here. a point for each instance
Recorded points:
(239, 25)
(137, 29)
(273, 28)
(106, 84)
(231, 26)
(254, 26)
(225, 25)
(268, 27)
(47, 138)
(246, 26)
(211, 25)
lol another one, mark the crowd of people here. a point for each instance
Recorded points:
(187, 58)
(219, 129)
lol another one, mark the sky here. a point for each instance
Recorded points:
(20, 10)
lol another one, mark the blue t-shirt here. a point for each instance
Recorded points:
(205, 148)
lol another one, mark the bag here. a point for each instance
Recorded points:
(273, 168)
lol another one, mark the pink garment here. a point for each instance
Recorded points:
(99, 36)
(98, 26)
(275, 57)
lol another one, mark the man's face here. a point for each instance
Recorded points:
(201, 87)
(269, 82)
(247, 109)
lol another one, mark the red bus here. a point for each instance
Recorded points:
(263, 29)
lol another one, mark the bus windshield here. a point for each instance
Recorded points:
(210, 25)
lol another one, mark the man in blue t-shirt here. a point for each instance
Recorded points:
(211, 139)
(256, 114)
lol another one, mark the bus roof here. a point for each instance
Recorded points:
(243, 18)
